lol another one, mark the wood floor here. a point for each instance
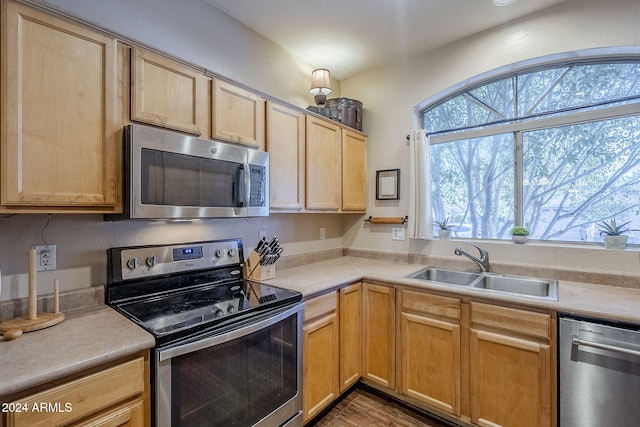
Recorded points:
(362, 408)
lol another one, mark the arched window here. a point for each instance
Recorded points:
(554, 149)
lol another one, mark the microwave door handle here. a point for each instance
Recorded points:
(247, 185)
(240, 186)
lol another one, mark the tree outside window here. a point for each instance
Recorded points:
(556, 150)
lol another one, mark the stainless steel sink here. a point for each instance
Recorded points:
(445, 276)
(519, 285)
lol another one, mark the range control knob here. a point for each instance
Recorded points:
(219, 253)
(152, 261)
(232, 252)
(133, 263)
(231, 309)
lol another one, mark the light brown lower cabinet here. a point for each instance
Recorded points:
(332, 347)
(468, 361)
(430, 365)
(489, 365)
(378, 341)
(511, 367)
(350, 335)
(321, 354)
(130, 414)
(115, 396)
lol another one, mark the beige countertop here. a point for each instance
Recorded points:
(606, 302)
(85, 339)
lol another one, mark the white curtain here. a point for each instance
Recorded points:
(420, 212)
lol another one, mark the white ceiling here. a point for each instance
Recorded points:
(352, 36)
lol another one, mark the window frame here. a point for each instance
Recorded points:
(544, 121)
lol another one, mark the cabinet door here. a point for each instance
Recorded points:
(350, 335)
(431, 350)
(321, 364)
(431, 361)
(168, 94)
(378, 352)
(510, 367)
(128, 415)
(354, 171)
(286, 147)
(324, 174)
(509, 381)
(60, 132)
(238, 115)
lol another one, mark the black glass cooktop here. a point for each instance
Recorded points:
(180, 313)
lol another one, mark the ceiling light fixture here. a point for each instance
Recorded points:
(320, 85)
(503, 2)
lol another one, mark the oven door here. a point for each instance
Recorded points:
(248, 376)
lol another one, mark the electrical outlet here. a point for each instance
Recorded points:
(45, 257)
(322, 233)
(397, 233)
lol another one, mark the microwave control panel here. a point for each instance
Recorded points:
(258, 184)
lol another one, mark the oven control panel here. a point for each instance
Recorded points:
(148, 261)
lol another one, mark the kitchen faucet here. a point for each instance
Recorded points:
(483, 261)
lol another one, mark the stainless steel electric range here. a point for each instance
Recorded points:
(228, 350)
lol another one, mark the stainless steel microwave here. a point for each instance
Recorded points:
(168, 175)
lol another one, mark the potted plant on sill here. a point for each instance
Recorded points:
(613, 234)
(445, 229)
(519, 234)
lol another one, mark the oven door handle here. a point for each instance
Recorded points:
(230, 335)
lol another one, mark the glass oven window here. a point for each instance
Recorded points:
(236, 383)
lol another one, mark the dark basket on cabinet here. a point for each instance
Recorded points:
(346, 111)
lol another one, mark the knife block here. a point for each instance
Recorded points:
(255, 271)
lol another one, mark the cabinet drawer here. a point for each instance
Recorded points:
(431, 304)
(321, 305)
(510, 319)
(79, 398)
(128, 415)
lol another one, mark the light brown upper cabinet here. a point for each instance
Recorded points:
(61, 131)
(324, 165)
(286, 147)
(354, 171)
(238, 115)
(169, 94)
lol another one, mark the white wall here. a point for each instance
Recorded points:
(391, 92)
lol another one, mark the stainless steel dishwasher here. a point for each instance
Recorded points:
(599, 373)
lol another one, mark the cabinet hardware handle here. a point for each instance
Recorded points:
(577, 341)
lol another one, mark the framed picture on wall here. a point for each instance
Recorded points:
(388, 184)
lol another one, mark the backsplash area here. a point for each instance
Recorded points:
(82, 241)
